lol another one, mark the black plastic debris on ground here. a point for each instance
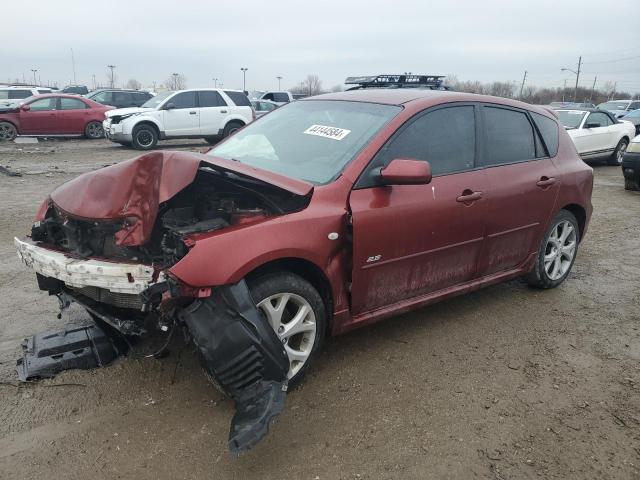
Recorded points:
(47, 354)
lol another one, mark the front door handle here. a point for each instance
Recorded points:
(469, 196)
(545, 182)
(192, 113)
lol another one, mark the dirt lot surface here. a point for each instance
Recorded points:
(505, 383)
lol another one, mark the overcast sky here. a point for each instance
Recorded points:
(475, 40)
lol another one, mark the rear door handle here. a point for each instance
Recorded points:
(223, 111)
(545, 182)
(192, 113)
(469, 196)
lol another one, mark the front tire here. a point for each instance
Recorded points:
(618, 153)
(556, 253)
(8, 131)
(212, 140)
(94, 130)
(296, 312)
(145, 137)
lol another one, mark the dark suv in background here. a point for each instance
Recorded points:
(119, 98)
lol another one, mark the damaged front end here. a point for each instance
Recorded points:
(108, 239)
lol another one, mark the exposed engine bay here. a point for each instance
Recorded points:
(214, 201)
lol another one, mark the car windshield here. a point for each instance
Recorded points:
(570, 118)
(633, 114)
(310, 140)
(614, 105)
(154, 102)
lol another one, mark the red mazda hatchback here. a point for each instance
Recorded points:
(325, 215)
(53, 114)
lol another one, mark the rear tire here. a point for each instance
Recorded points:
(288, 300)
(8, 131)
(231, 128)
(618, 153)
(94, 130)
(556, 253)
(145, 137)
(212, 140)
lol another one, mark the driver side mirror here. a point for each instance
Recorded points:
(170, 106)
(25, 108)
(404, 171)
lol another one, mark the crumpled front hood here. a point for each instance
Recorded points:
(125, 111)
(132, 190)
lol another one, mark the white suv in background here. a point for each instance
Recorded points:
(209, 113)
(11, 96)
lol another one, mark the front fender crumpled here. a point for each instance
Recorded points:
(244, 356)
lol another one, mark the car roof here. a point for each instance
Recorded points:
(402, 96)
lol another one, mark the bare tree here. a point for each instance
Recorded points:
(312, 85)
(337, 88)
(133, 84)
(176, 81)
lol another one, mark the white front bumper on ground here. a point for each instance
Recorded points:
(128, 278)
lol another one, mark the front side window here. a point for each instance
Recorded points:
(102, 97)
(184, 100)
(310, 140)
(210, 98)
(72, 104)
(43, 105)
(446, 138)
(598, 119)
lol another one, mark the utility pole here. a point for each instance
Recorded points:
(73, 66)
(575, 91)
(34, 70)
(94, 81)
(175, 81)
(215, 83)
(522, 86)
(111, 67)
(593, 87)
(244, 78)
(279, 78)
(564, 89)
(613, 94)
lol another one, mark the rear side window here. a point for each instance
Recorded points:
(210, 98)
(239, 98)
(548, 128)
(43, 105)
(19, 93)
(184, 100)
(122, 98)
(280, 97)
(72, 104)
(445, 138)
(509, 137)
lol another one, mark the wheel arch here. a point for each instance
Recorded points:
(580, 213)
(151, 123)
(305, 269)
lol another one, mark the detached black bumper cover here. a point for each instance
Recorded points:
(631, 170)
(244, 356)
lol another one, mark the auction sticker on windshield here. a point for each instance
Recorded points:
(334, 133)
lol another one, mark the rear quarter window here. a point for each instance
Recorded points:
(548, 128)
(239, 98)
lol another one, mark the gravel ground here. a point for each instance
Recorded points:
(507, 382)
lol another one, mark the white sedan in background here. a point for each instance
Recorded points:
(597, 133)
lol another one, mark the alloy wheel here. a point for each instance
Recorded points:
(7, 131)
(95, 130)
(144, 138)
(293, 320)
(622, 148)
(560, 250)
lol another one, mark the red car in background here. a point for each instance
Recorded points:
(53, 114)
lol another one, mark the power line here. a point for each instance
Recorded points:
(614, 61)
